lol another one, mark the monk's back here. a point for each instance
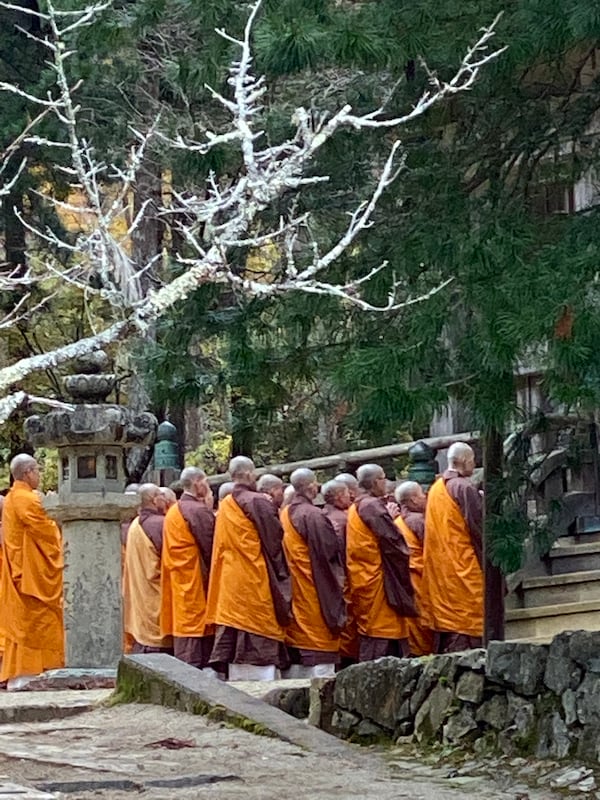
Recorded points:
(452, 575)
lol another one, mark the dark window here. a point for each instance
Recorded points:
(86, 467)
(111, 468)
(546, 199)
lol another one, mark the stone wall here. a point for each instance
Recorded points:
(522, 699)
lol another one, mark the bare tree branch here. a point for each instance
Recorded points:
(217, 219)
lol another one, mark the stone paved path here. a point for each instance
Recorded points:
(118, 752)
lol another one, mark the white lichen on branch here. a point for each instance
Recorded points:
(220, 217)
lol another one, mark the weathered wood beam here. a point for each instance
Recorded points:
(354, 458)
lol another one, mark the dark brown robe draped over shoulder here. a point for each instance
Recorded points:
(250, 589)
(381, 592)
(312, 550)
(187, 548)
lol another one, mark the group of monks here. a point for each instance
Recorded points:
(270, 583)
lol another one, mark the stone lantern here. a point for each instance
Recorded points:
(422, 466)
(92, 440)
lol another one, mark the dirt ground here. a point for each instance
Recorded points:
(120, 752)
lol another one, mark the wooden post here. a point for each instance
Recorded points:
(493, 455)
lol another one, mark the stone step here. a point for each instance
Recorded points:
(547, 621)
(580, 557)
(578, 538)
(571, 587)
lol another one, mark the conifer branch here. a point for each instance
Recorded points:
(215, 220)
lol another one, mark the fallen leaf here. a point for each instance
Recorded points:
(173, 744)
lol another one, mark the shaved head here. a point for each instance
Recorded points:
(301, 478)
(331, 488)
(193, 481)
(25, 468)
(242, 470)
(304, 482)
(169, 495)
(267, 482)
(288, 495)
(21, 464)
(461, 458)
(225, 489)
(189, 475)
(148, 493)
(165, 499)
(336, 493)
(351, 483)
(371, 478)
(272, 486)
(410, 495)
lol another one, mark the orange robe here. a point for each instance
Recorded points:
(141, 589)
(31, 586)
(308, 629)
(183, 605)
(373, 614)
(452, 576)
(1, 634)
(420, 637)
(239, 594)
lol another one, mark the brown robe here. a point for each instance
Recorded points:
(378, 570)
(312, 551)
(250, 590)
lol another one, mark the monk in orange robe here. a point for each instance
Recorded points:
(453, 555)
(186, 558)
(141, 576)
(1, 504)
(339, 494)
(411, 500)
(314, 556)
(31, 585)
(377, 559)
(249, 591)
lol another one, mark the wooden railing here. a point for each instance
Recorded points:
(349, 461)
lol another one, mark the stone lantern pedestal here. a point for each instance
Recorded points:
(93, 616)
(92, 440)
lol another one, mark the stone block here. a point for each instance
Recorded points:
(343, 723)
(92, 594)
(367, 731)
(517, 665)
(569, 706)
(470, 687)
(472, 659)
(433, 713)
(437, 670)
(553, 739)
(494, 712)
(321, 705)
(519, 735)
(293, 701)
(460, 727)
(378, 690)
(163, 680)
(569, 654)
(587, 699)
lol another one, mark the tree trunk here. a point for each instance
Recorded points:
(493, 579)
